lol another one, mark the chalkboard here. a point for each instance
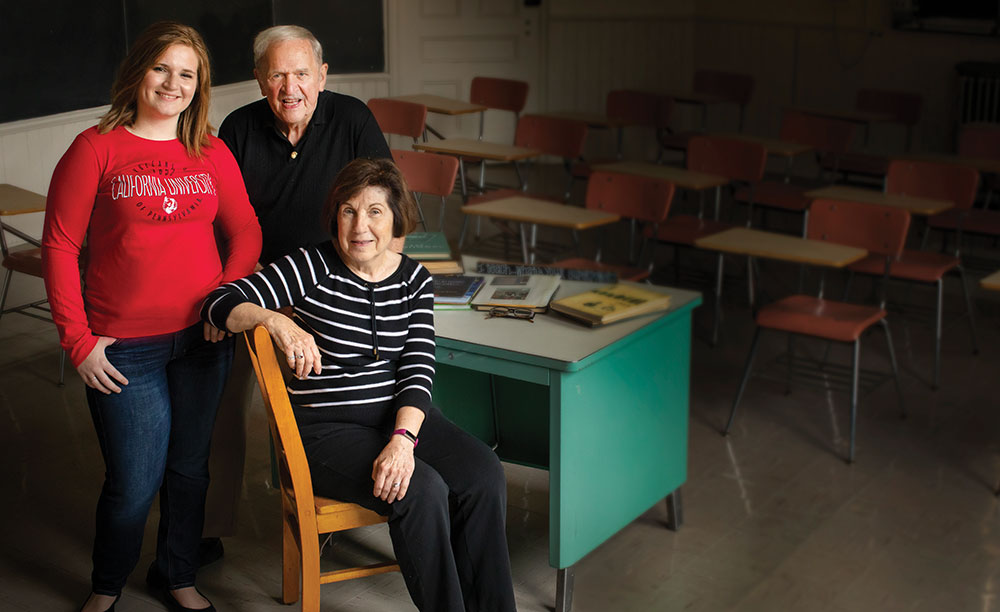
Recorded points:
(62, 55)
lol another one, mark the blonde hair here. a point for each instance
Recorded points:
(193, 127)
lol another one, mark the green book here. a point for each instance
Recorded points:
(426, 245)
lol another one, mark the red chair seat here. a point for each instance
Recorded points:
(919, 266)
(685, 229)
(28, 261)
(624, 272)
(976, 221)
(812, 316)
(775, 194)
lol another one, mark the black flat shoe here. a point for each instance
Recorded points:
(167, 597)
(110, 608)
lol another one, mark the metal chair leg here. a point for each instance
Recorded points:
(855, 359)
(718, 300)
(895, 368)
(564, 589)
(938, 315)
(675, 510)
(969, 310)
(743, 383)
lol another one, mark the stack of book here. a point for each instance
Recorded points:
(611, 303)
(432, 251)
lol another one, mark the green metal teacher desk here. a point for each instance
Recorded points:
(604, 409)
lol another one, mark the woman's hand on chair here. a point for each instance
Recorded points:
(392, 469)
(97, 372)
(297, 344)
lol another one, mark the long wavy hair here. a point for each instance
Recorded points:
(193, 127)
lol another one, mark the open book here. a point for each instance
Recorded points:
(532, 292)
(611, 303)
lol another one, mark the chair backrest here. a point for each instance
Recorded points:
(293, 468)
(939, 181)
(903, 106)
(979, 140)
(630, 195)
(501, 94)
(427, 172)
(634, 107)
(551, 135)
(822, 133)
(399, 117)
(737, 160)
(664, 111)
(732, 86)
(879, 229)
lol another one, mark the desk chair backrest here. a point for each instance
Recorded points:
(880, 230)
(979, 140)
(428, 173)
(634, 107)
(631, 196)
(499, 94)
(737, 160)
(304, 516)
(902, 106)
(824, 134)
(561, 137)
(934, 180)
(399, 117)
(732, 86)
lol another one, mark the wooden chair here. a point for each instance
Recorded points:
(879, 229)
(939, 181)
(304, 516)
(400, 117)
(428, 173)
(639, 199)
(829, 137)
(742, 162)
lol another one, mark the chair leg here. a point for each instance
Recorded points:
(743, 383)
(938, 315)
(290, 564)
(854, 397)
(441, 216)
(895, 368)
(309, 541)
(969, 310)
(675, 510)
(718, 300)
(6, 288)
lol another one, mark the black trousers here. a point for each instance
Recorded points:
(449, 531)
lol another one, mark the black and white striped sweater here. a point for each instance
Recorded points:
(376, 339)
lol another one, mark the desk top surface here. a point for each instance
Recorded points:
(17, 201)
(771, 245)
(552, 339)
(525, 209)
(916, 206)
(991, 282)
(853, 116)
(982, 164)
(442, 105)
(478, 148)
(688, 179)
(779, 148)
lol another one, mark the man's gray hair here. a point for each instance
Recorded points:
(263, 41)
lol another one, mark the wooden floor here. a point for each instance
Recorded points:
(774, 519)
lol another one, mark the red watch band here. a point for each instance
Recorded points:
(406, 433)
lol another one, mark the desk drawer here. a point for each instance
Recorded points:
(493, 365)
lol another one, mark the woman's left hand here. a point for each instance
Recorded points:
(392, 469)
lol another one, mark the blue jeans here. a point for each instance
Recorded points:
(155, 436)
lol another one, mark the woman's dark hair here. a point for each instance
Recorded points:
(361, 173)
(193, 127)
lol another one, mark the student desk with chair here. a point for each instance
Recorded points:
(528, 211)
(442, 106)
(917, 206)
(604, 410)
(478, 149)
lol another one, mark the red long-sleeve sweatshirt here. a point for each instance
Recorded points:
(149, 214)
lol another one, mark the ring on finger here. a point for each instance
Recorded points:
(299, 356)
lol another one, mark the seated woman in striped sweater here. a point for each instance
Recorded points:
(362, 349)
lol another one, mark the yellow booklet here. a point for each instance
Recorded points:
(611, 303)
